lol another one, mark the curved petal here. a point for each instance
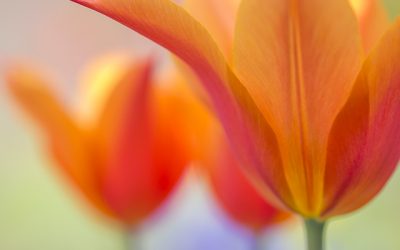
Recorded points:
(238, 197)
(234, 191)
(373, 21)
(143, 132)
(218, 17)
(364, 146)
(170, 26)
(68, 142)
(123, 143)
(299, 60)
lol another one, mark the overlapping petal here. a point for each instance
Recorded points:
(123, 143)
(214, 157)
(139, 141)
(364, 143)
(218, 17)
(233, 191)
(289, 56)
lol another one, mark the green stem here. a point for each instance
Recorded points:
(315, 234)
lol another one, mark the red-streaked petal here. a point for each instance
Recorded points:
(299, 61)
(364, 146)
(144, 128)
(239, 198)
(124, 143)
(170, 26)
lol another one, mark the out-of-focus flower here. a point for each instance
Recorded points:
(312, 119)
(130, 143)
(233, 191)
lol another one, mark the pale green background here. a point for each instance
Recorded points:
(37, 209)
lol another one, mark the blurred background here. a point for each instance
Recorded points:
(38, 210)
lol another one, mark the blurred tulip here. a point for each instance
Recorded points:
(128, 147)
(312, 119)
(233, 191)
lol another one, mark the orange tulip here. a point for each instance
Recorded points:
(311, 117)
(129, 148)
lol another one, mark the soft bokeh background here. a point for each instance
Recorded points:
(39, 211)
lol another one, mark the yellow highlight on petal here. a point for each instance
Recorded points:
(358, 6)
(98, 80)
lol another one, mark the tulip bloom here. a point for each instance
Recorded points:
(129, 149)
(310, 114)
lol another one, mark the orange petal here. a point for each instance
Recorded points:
(142, 136)
(299, 60)
(364, 146)
(373, 20)
(169, 25)
(67, 140)
(123, 141)
(218, 17)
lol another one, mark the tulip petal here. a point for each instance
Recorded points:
(373, 21)
(218, 17)
(170, 26)
(299, 60)
(232, 189)
(144, 129)
(364, 146)
(123, 140)
(67, 140)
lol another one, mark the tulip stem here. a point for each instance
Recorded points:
(315, 234)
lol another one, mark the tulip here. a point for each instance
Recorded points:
(309, 112)
(127, 148)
